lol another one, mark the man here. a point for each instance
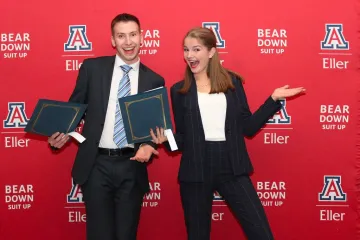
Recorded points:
(112, 173)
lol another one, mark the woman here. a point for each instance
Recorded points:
(212, 117)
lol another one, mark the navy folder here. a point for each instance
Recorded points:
(143, 111)
(52, 116)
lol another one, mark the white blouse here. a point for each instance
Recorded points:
(213, 113)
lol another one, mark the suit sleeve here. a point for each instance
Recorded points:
(178, 118)
(79, 94)
(254, 121)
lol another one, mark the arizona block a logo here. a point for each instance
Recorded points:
(281, 117)
(334, 38)
(16, 117)
(75, 195)
(332, 190)
(215, 27)
(77, 40)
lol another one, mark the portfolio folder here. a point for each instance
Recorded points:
(52, 116)
(143, 111)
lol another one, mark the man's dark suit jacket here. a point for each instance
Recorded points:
(93, 88)
(240, 122)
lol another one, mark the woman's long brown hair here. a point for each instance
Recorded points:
(220, 77)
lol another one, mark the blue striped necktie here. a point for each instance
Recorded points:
(124, 90)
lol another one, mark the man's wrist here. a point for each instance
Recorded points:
(143, 144)
(151, 144)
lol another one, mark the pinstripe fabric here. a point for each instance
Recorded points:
(242, 199)
(240, 122)
(238, 192)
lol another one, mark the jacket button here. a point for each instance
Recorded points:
(102, 124)
(97, 142)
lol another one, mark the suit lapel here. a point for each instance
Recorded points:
(194, 103)
(231, 108)
(230, 111)
(142, 83)
(106, 81)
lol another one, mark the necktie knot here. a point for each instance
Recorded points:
(125, 68)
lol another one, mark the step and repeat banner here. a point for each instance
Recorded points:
(304, 157)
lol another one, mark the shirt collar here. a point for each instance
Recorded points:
(119, 62)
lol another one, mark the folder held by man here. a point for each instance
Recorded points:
(52, 116)
(146, 110)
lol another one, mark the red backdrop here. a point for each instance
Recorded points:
(304, 158)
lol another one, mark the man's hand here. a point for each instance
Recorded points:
(144, 153)
(58, 140)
